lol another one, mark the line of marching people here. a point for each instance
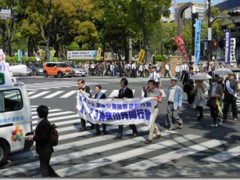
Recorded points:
(174, 96)
(222, 94)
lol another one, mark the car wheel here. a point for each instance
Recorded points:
(60, 75)
(3, 153)
(45, 74)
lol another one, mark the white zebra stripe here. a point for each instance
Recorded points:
(68, 171)
(157, 160)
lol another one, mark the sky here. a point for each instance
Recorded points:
(199, 1)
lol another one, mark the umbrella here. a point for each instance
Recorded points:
(223, 71)
(201, 76)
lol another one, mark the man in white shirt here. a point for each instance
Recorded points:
(167, 70)
(154, 75)
(184, 69)
(178, 70)
(174, 97)
(112, 69)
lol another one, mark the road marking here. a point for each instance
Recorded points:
(60, 118)
(68, 94)
(157, 160)
(122, 156)
(39, 94)
(224, 156)
(53, 95)
(63, 123)
(50, 110)
(32, 92)
(55, 114)
(73, 156)
(80, 143)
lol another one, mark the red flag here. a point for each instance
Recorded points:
(181, 46)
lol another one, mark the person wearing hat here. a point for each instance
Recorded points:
(230, 97)
(155, 76)
(174, 97)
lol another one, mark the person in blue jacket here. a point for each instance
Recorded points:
(174, 98)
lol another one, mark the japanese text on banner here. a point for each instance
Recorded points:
(115, 111)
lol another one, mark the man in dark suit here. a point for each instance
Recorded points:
(83, 87)
(100, 95)
(43, 147)
(188, 85)
(125, 92)
(230, 97)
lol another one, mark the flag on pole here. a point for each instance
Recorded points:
(197, 40)
(141, 56)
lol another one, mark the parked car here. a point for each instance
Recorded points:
(36, 68)
(29, 71)
(57, 69)
(18, 69)
(77, 70)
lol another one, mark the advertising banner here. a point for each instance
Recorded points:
(85, 55)
(227, 46)
(197, 40)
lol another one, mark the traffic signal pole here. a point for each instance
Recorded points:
(209, 32)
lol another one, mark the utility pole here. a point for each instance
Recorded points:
(130, 49)
(209, 32)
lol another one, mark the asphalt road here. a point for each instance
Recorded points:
(197, 150)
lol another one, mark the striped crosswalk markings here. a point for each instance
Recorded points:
(67, 94)
(224, 156)
(177, 154)
(39, 94)
(73, 142)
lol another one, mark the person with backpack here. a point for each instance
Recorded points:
(100, 95)
(44, 147)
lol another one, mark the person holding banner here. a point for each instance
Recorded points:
(100, 95)
(125, 92)
(152, 91)
(81, 86)
(174, 97)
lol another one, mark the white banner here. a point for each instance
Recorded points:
(115, 111)
(82, 54)
(232, 50)
(4, 69)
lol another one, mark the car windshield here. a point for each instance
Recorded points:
(73, 66)
(62, 65)
(37, 66)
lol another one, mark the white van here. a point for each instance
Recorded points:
(15, 120)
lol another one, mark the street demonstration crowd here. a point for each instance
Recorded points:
(221, 87)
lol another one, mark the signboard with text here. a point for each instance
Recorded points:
(84, 55)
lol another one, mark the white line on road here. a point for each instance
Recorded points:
(55, 114)
(60, 118)
(68, 94)
(224, 156)
(123, 156)
(73, 156)
(50, 110)
(157, 160)
(53, 95)
(39, 94)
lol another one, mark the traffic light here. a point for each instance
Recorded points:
(234, 14)
(20, 16)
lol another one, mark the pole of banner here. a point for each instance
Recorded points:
(209, 32)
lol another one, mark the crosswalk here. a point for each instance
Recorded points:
(46, 85)
(80, 152)
(73, 93)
